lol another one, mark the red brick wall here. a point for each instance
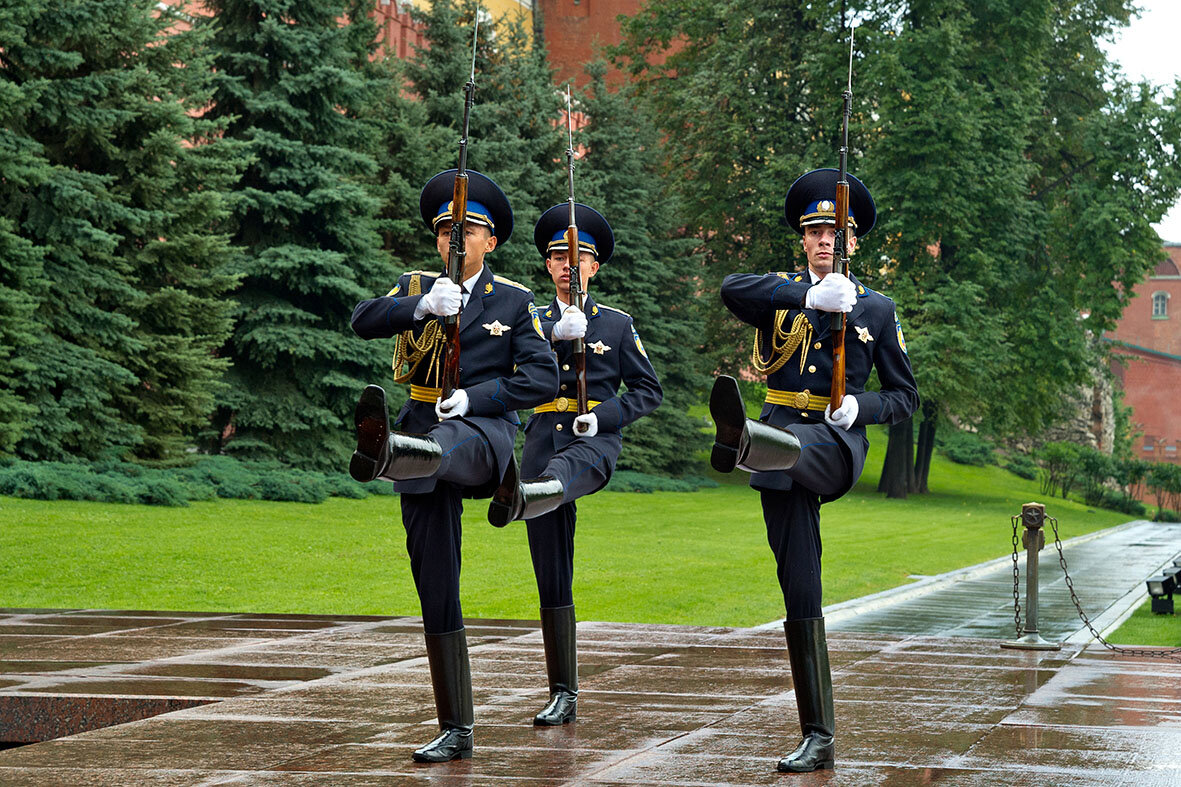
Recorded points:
(575, 30)
(1151, 377)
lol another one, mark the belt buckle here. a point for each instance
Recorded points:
(561, 404)
(802, 399)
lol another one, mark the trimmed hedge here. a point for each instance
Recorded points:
(208, 478)
(211, 477)
(631, 481)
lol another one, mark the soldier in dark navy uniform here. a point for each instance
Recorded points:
(458, 447)
(568, 455)
(802, 451)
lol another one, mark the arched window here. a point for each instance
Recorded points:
(1160, 306)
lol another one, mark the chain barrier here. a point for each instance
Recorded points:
(1172, 654)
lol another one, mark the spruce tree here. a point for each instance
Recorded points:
(22, 166)
(292, 76)
(654, 271)
(127, 313)
(513, 137)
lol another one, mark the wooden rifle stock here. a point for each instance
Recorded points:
(577, 296)
(457, 254)
(837, 326)
(456, 260)
(840, 252)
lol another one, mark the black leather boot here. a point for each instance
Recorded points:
(392, 456)
(558, 630)
(515, 499)
(808, 651)
(744, 442)
(451, 678)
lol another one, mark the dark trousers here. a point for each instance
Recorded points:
(583, 467)
(792, 517)
(432, 520)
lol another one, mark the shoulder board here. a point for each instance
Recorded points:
(788, 275)
(613, 309)
(501, 280)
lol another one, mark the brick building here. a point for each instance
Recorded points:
(575, 31)
(1147, 349)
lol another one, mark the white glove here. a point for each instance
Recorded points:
(586, 425)
(834, 293)
(443, 299)
(846, 414)
(571, 326)
(454, 406)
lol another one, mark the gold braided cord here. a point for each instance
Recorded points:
(783, 344)
(410, 350)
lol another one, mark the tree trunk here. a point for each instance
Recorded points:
(926, 448)
(899, 464)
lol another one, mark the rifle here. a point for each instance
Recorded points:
(457, 254)
(837, 326)
(576, 292)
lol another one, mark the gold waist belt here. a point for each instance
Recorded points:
(800, 400)
(420, 393)
(562, 405)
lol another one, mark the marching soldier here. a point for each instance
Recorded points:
(458, 447)
(803, 451)
(568, 455)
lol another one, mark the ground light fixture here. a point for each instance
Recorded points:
(1161, 588)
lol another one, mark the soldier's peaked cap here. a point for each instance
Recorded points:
(812, 200)
(594, 233)
(487, 205)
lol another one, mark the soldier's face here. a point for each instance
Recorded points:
(819, 243)
(558, 265)
(478, 240)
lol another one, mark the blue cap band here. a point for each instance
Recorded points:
(585, 242)
(476, 214)
(823, 211)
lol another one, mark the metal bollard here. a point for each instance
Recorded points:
(1033, 516)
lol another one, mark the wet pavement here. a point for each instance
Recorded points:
(126, 697)
(1109, 569)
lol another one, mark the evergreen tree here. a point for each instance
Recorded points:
(127, 309)
(292, 77)
(653, 272)
(21, 167)
(747, 95)
(514, 136)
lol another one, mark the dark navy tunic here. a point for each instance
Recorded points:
(506, 364)
(614, 355)
(873, 338)
(831, 458)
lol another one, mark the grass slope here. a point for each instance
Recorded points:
(697, 557)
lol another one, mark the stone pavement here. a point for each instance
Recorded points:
(292, 699)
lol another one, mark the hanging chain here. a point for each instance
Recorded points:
(1016, 581)
(1173, 654)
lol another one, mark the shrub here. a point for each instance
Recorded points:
(1118, 502)
(631, 481)
(1022, 466)
(1166, 515)
(967, 448)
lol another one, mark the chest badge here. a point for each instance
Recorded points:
(599, 347)
(495, 328)
(863, 334)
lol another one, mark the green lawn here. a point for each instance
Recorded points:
(1145, 628)
(697, 558)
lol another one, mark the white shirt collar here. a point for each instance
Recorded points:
(470, 284)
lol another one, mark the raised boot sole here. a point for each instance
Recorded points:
(372, 422)
(506, 500)
(729, 415)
